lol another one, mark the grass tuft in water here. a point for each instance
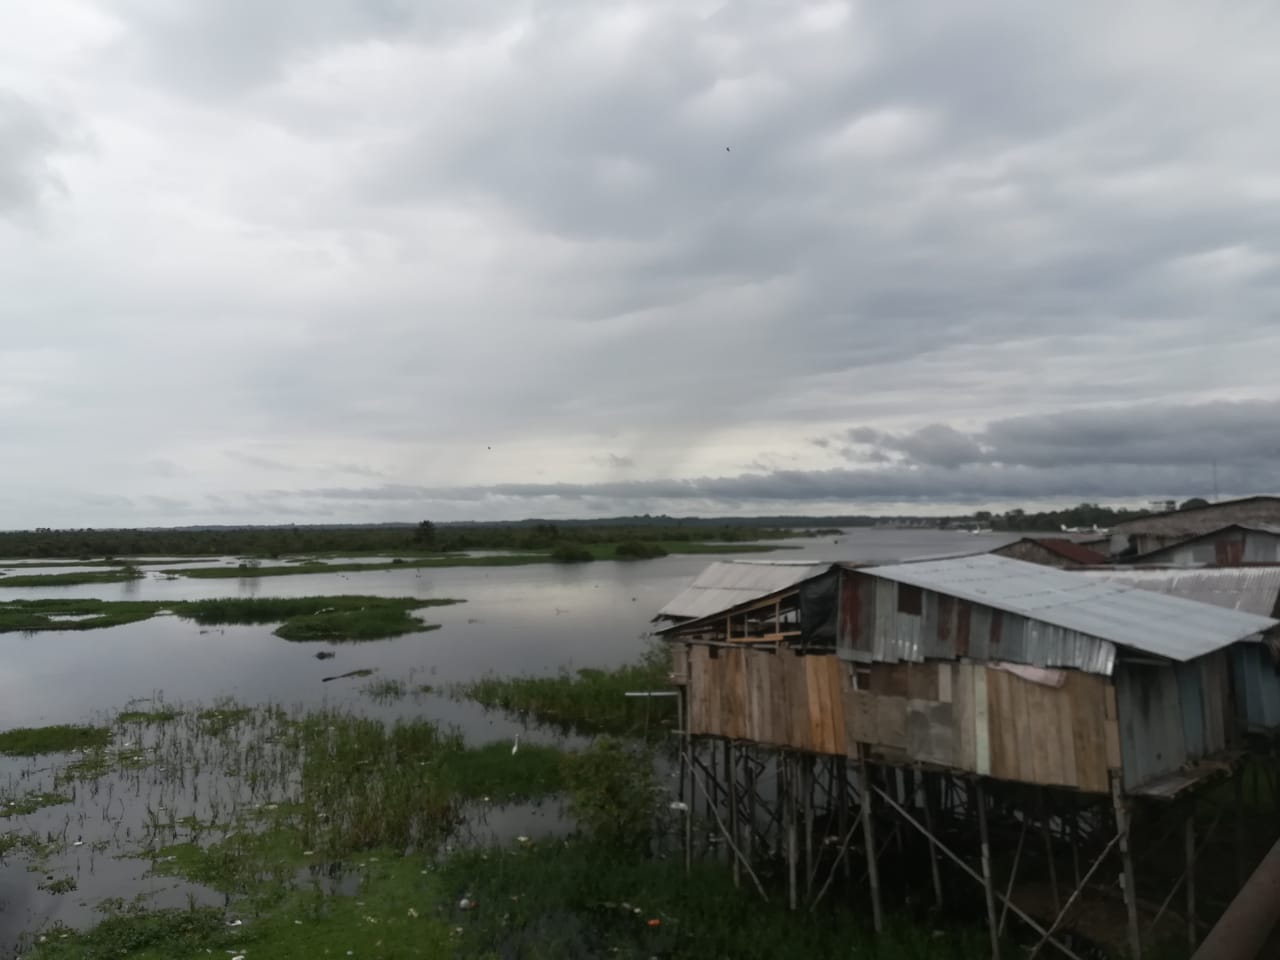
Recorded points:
(63, 738)
(588, 701)
(305, 619)
(27, 616)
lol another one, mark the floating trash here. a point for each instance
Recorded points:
(679, 805)
(653, 922)
(234, 923)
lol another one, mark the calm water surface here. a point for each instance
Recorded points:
(530, 619)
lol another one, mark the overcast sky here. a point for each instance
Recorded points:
(342, 260)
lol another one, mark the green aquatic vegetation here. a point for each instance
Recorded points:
(494, 773)
(386, 690)
(61, 738)
(148, 718)
(639, 550)
(219, 720)
(137, 933)
(295, 568)
(31, 615)
(323, 618)
(339, 626)
(21, 804)
(71, 579)
(57, 886)
(589, 701)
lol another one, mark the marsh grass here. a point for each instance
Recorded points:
(573, 900)
(61, 738)
(589, 701)
(33, 615)
(323, 618)
(71, 579)
(297, 567)
(325, 833)
(385, 690)
(343, 617)
(21, 804)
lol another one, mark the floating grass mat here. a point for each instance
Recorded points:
(298, 567)
(32, 615)
(62, 738)
(331, 618)
(587, 701)
(305, 619)
(71, 579)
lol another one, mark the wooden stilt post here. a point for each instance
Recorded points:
(1242, 872)
(1048, 848)
(842, 805)
(926, 804)
(790, 815)
(980, 800)
(731, 784)
(869, 839)
(686, 782)
(806, 797)
(1189, 841)
(749, 773)
(1126, 859)
(1075, 838)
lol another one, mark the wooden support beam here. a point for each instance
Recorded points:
(927, 806)
(1013, 875)
(988, 886)
(1189, 847)
(789, 806)
(869, 839)
(1126, 859)
(686, 791)
(841, 856)
(1047, 934)
(731, 784)
(1043, 817)
(732, 846)
(959, 862)
(806, 797)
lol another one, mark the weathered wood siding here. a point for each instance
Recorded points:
(963, 716)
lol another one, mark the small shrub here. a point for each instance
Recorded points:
(614, 794)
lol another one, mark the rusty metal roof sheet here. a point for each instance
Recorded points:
(1160, 624)
(727, 583)
(1250, 589)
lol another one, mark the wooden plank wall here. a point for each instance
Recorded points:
(968, 717)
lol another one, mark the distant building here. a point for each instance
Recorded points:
(1130, 538)
(1229, 546)
(1051, 552)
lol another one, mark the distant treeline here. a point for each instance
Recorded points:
(1085, 515)
(424, 537)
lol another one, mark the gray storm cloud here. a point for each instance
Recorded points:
(495, 258)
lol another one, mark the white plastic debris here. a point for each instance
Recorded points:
(234, 923)
(679, 805)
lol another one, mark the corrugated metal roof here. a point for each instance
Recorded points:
(1164, 625)
(1250, 589)
(727, 583)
